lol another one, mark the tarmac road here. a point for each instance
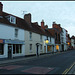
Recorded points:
(44, 64)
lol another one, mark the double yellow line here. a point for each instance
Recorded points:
(68, 69)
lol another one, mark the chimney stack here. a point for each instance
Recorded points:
(1, 8)
(46, 26)
(27, 18)
(42, 24)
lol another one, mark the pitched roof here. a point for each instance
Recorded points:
(21, 23)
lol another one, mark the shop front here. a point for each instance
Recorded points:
(13, 48)
(1, 47)
(50, 48)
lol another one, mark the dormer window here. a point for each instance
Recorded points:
(11, 19)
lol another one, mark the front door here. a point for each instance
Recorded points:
(62, 47)
(37, 50)
(9, 51)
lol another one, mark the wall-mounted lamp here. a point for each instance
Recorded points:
(46, 41)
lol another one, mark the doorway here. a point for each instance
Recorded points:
(37, 50)
(62, 47)
(9, 51)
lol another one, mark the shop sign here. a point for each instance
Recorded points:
(1, 41)
(14, 42)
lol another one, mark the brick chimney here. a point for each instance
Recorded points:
(42, 24)
(27, 18)
(54, 25)
(1, 8)
(46, 26)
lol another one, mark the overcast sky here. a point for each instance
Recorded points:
(62, 12)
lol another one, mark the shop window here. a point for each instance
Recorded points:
(1, 49)
(17, 48)
(13, 49)
(20, 49)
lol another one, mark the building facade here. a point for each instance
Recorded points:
(73, 42)
(11, 42)
(63, 40)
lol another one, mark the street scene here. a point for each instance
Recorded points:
(44, 64)
(37, 37)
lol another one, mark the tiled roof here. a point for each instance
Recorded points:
(21, 23)
(37, 29)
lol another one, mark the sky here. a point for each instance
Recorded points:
(61, 12)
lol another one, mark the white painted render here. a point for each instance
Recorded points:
(8, 32)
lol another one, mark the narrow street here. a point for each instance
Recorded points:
(49, 64)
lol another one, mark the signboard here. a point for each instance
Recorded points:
(14, 42)
(1, 41)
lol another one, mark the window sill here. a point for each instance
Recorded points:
(30, 51)
(30, 40)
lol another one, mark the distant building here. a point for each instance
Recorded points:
(63, 40)
(73, 42)
(49, 47)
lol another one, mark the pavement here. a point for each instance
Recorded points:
(70, 70)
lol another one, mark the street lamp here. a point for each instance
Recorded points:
(46, 41)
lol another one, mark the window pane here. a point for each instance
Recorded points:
(30, 46)
(20, 48)
(30, 35)
(17, 48)
(16, 32)
(13, 49)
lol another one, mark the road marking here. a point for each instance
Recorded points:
(38, 70)
(65, 71)
(11, 67)
(68, 69)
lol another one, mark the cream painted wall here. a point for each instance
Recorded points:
(35, 39)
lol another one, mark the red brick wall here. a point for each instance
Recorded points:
(57, 26)
(27, 18)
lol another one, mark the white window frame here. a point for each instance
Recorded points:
(16, 32)
(30, 46)
(11, 19)
(30, 35)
